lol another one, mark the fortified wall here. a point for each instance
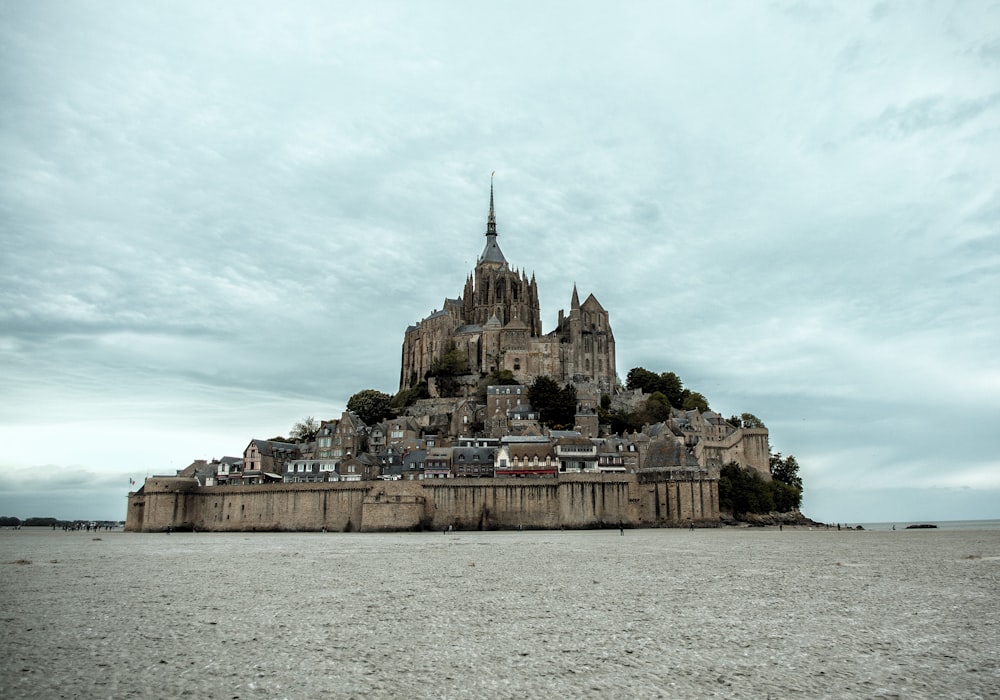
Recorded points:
(665, 498)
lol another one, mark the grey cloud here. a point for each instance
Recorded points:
(930, 112)
(234, 215)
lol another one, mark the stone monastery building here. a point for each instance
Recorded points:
(497, 323)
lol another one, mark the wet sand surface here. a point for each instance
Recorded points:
(653, 613)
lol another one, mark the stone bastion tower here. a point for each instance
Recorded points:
(497, 324)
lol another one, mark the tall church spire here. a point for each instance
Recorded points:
(492, 253)
(491, 220)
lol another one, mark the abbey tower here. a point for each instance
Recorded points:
(497, 324)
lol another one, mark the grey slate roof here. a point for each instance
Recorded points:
(669, 453)
(473, 455)
(557, 434)
(492, 252)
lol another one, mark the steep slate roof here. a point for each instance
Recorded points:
(355, 421)
(521, 410)
(492, 252)
(406, 423)
(669, 453)
(530, 449)
(473, 455)
(575, 440)
(268, 448)
(512, 439)
(192, 468)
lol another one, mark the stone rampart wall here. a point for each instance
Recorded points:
(569, 501)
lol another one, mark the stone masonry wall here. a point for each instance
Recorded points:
(570, 501)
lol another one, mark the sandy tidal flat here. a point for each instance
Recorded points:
(653, 613)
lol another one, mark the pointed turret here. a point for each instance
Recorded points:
(575, 304)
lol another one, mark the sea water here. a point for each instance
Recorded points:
(939, 524)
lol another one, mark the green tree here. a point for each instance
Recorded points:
(556, 405)
(305, 430)
(752, 421)
(642, 378)
(40, 522)
(693, 401)
(371, 406)
(667, 383)
(786, 470)
(498, 377)
(622, 423)
(408, 397)
(785, 497)
(673, 388)
(657, 407)
(744, 491)
(567, 407)
(447, 368)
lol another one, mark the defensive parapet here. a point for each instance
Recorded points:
(652, 498)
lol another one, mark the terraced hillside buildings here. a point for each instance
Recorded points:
(478, 459)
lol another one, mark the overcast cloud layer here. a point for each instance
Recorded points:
(218, 218)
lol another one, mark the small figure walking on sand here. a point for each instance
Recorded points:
(621, 529)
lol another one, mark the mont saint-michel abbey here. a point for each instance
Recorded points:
(464, 458)
(497, 324)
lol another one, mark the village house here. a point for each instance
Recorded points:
(310, 470)
(575, 453)
(521, 456)
(437, 464)
(474, 459)
(413, 465)
(264, 461)
(228, 467)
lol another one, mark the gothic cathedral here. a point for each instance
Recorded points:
(497, 324)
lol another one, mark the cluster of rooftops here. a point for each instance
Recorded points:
(346, 449)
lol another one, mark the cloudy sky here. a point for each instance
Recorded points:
(219, 218)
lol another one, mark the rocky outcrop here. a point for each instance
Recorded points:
(792, 517)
